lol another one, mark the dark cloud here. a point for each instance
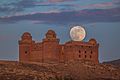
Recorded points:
(83, 16)
(54, 1)
(34, 3)
(4, 9)
(23, 3)
(9, 10)
(116, 2)
(17, 6)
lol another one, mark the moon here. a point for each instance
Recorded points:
(77, 33)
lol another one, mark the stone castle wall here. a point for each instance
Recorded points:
(49, 50)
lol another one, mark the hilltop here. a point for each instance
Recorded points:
(76, 70)
(114, 62)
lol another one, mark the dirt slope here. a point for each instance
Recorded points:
(77, 70)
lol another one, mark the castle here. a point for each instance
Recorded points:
(49, 50)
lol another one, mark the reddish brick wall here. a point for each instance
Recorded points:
(49, 50)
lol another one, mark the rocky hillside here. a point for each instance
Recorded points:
(114, 62)
(77, 70)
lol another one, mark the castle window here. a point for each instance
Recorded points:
(79, 51)
(85, 56)
(89, 46)
(79, 56)
(85, 52)
(62, 53)
(91, 52)
(90, 56)
(26, 49)
(26, 52)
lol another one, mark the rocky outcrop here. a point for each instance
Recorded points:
(114, 62)
(76, 70)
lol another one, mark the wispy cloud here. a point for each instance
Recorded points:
(26, 5)
(103, 5)
(4, 9)
(7, 9)
(83, 16)
(16, 6)
(54, 1)
(21, 5)
(100, 5)
(116, 2)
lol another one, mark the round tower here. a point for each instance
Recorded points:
(50, 35)
(92, 41)
(94, 50)
(25, 46)
(51, 47)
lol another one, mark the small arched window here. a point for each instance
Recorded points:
(79, 51)
(26, 48)
(79, 56)
(85, 51)
(26, 52)
(90, 56)
(85, 56)
(91, 52)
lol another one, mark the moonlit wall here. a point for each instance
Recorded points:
(101, 19)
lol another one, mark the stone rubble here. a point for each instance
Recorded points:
(76, 70)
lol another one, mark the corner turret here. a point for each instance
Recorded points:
(25, 46)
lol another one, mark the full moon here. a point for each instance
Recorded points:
(77, 33)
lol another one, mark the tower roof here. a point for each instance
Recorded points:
(51, 32)
(26, 35)
(92, 41)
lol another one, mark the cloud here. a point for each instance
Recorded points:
(83, 16)
(100, 5)
(23, 3)
(4, 9)
(116, 2)
(54, 1)
(34, 3)
(97, 5)
(18, 6)
(7, 9)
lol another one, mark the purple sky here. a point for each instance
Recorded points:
(101, 19)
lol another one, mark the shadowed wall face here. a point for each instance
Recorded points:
(49, 50)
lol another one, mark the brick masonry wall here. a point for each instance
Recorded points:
(49, 50)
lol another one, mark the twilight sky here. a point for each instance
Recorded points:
(101, 19)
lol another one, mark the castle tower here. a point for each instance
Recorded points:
(25, 46)
(95, 50)
(51, 47)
